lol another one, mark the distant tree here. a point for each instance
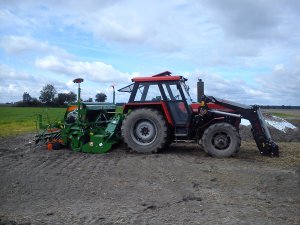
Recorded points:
(28, 102)
(47, 94)
(35, 102)
(71, 97)
(89, 100)
(65, 98)
(26, 97)
(62, 99)
(100, 97)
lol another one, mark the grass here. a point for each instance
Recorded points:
(282, 115)
(16, 120)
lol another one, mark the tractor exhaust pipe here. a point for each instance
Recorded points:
(200, 90)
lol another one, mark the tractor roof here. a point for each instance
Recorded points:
(164, 76)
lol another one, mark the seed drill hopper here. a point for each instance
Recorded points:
(86, 127)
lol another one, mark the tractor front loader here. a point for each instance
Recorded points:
(260, 131)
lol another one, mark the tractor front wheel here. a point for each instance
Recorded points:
(145, 130)
(221, 140)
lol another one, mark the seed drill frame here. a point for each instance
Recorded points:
(87, 127)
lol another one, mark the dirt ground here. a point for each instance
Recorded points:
(181, 185)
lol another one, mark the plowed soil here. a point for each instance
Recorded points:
(181, 185)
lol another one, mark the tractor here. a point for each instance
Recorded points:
(160, 111)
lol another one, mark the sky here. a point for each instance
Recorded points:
(245, 51)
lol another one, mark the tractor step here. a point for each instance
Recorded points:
(181, 131)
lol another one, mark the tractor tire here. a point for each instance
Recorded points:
(145, 131)
(221, 140)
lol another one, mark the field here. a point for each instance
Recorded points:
(180, 185)
(289, 114)
(17, 120)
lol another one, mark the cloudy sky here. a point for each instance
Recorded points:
(244, 50)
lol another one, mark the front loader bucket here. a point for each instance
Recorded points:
(262, 136)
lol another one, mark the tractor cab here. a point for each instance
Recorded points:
(163, 92)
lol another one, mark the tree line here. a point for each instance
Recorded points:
(50, 97)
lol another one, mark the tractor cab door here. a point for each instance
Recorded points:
(177, 104)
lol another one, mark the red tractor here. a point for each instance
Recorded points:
(160, 111)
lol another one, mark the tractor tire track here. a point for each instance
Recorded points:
(68, 164)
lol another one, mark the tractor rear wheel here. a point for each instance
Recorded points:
(145, 130)
(221, 140)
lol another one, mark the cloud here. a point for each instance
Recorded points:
(8, 19)
(117, 30)
(93, 71)
(14, 83)
(282, 85)
(7, 73)
(139, 24)
(120, 22)
(170, 26)
(110, 38)
(23, 44)
(231, 89)
(175, 26)
(246, 19)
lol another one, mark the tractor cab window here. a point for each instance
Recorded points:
(176, 102)
(148, 92)
(186, 93)
(172, 92)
